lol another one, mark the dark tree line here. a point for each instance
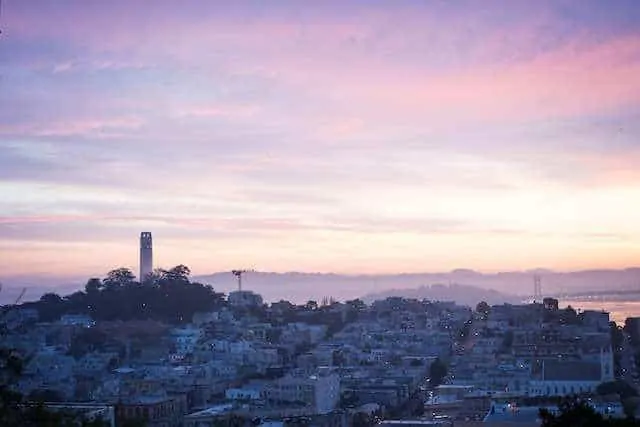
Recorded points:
(167, 295)
(437, 372)
(575, 412)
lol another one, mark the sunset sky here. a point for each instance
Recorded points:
(347, 136)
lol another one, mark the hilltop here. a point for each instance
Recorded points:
(461, 294)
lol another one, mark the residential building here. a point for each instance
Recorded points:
(319, 390)
(245, 299)
(160, 410)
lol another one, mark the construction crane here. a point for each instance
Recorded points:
(238, 274)
(4, 310)
(20, 295)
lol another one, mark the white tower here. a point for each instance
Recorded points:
(146, 255)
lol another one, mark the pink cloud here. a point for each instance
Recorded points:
(204, 111)
(564, 82)
(99, 65)
(352, 58)
(75, 127)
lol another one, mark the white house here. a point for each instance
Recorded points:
(77, 320)
(245, 393)
(321, 391)
(186, 339)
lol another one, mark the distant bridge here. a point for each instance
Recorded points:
(593, 294)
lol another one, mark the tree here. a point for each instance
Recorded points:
(576, 412)
(437, 372)
(617, 336)
(93, 286)
(153, 278)
(507, 340)
(465, 330)
(362, 419)
(118, 278)
(311, 305)
(172, 298)
(631, 327)
(356, 304)
(179, 273)
(50, 307)
(45, 396)
(630, 406)
(338, 358)
(483, 308)
(572, 412)
(51, 298)
(621, 388)
(569, 316)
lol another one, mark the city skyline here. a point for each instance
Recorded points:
(337, 137)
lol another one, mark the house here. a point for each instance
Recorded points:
(320, 391)
(244, 393)
(207, 417)
(96, 363)
(597, 320)
(159, 410)
(87, 411)
(49, 371)
(185, 339)
(563, 378)
(77, 320)
(245, 299)
(201, 319)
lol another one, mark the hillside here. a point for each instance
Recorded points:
(461, 294)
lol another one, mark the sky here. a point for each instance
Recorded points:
(322, 136)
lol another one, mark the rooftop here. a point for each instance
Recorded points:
(513, 414)
(558, 370)
(212, 411)
(410, 423)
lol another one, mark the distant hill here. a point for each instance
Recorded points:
(301, 287)
(461, 294)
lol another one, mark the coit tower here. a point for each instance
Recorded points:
(146, 255)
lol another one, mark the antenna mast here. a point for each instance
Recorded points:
(238, 274)
(537, 288)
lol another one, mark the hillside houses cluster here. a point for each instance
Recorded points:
(325, 363)
(534, 351)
